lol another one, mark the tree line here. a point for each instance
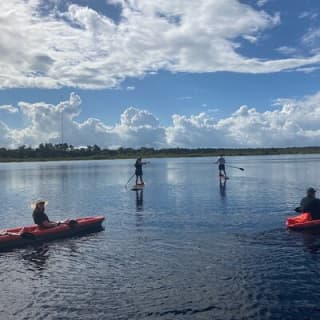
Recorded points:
(64, 151)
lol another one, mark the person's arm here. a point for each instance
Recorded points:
(300, 208)
(301, 202)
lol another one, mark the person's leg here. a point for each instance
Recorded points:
(48, 224)
(224, 170)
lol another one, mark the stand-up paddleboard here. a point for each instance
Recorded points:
(137, 187)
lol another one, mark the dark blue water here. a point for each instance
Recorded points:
(187, 247)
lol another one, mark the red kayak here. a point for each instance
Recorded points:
(23, 236)
(302, 222)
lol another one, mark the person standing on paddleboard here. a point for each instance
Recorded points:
(222, 169)
(139, 163)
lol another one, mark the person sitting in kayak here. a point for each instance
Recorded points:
(310, 204)
(139, 172)
(222, 168)
(39, 216)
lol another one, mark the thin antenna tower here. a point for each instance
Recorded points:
(62, 138)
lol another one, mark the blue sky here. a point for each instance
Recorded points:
(211, 73)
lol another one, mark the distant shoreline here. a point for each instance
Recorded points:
(64, 152)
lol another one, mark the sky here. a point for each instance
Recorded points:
(161, 74)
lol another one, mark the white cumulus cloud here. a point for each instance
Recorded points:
(5, 135)
(195, 132)
(292, 122)
(9, 108)
(47, 123)
(79, 47)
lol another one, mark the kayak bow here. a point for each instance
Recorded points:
(302, 221)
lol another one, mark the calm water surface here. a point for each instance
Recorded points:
(187, 247)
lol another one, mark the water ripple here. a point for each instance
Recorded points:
(188, 251)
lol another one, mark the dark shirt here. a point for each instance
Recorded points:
(138, 166)
(311, 205)
(305, 202)
(39, 217)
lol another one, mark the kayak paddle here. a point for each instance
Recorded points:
(71, 223)
(235, 167)
(23, 235)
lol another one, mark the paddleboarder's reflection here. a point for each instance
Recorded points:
(223, 184)
(139, 209)
(139, 200)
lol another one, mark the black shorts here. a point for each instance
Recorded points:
(221, 167)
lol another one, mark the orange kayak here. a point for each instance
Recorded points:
(302, 221)
(23, 236)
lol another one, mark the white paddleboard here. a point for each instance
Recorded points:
(137, 187)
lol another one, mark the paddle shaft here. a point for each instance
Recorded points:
(70, 223)
(8, 233)
(235, 167)
(130, 179)
(23, 235)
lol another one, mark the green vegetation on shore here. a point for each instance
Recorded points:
(48, 151)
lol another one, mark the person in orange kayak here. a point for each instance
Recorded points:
(39, 216)
(310, 204)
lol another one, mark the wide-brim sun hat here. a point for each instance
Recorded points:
(34, 203)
